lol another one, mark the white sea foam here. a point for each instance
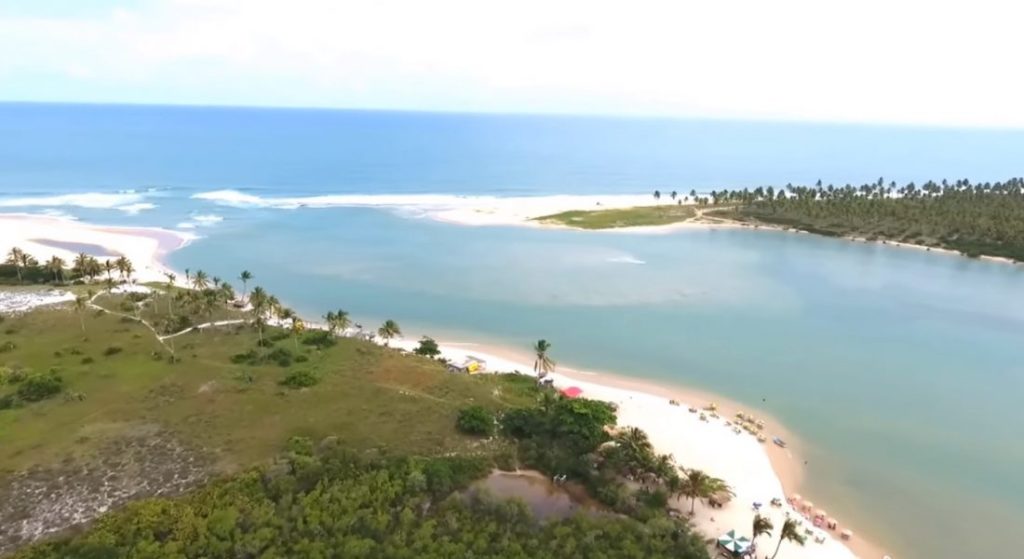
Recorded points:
(626, 260)
(133, 209)
(186, 225)
(207, 219)
(92, 200)
(466, 210)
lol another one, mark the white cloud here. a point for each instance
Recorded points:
(918, 61)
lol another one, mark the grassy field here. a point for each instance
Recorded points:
(625, 217)
(125, 396)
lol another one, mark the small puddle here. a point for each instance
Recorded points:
(545, 499)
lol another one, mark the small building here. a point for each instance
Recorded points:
(471, 365)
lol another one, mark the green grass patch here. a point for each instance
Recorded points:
(624, 217)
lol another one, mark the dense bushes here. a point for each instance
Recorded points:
(300, 379)
(279, 355)
(319, 338)
(332, 504)
(427, 348)
(476, 420)
(38, 387)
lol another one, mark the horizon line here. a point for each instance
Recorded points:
(548, 114)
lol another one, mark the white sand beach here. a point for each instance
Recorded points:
(754, 470)
(758, 472)
(47, 236)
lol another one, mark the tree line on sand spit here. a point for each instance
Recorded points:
(25, 268)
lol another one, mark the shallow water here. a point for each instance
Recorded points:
(900, 369)
(543, 498)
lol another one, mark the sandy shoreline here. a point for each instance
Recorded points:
(758, 472)
(39, 235)
(768, 469)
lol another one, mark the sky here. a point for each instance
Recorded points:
(930, 62)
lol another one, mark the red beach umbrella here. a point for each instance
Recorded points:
(572, 392)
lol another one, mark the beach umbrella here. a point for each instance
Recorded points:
(737, 545)
(820, 512)
(807, 505)
(846, 534)
(572, 392)
(795, 498)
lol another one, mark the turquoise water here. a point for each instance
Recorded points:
(899, 368)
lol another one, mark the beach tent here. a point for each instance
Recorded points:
(572, 392)
(737, 545)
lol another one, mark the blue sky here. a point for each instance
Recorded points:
(894, 61)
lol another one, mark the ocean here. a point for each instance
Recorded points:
(899, 369)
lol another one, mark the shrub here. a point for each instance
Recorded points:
(112, 350)
(300, 379)
(427, 348)
(11, 376)
(126, 306)
(475, 420)
(281, 356)
(301, 358)
(9, 401)
(7, 346)
(86, 360)
(40, 387)
(250, 357)
(319, 338)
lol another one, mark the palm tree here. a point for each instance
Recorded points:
(698, 485)
(297, 328)
(657, 195)
(170, 291)
(121, 264)
(329, 318)
(245, 276)
(109, 282)
(188, 276)
(259, 301)
(341, 320)
(14, 258)
(93, 268)
(200, 280)
(227, 293)
(389, 330)
(56, 266)
(109, 266)
(790, 531)
(216, 282)
(762, 525)
(80, 264)
(128, 269)
(81, 303)
(543, 364)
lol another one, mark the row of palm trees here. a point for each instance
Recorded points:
(695, 485)
(84, 266)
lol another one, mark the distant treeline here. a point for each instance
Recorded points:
(977, 219)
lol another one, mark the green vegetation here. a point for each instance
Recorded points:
(974, 219)
(543, 363)
(145, 408)
(427, 348)
(328, 502)
(476, 420)
(624, 217)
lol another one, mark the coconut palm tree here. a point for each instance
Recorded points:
(200, 280)
(109, 266)
(14, 258)
(297, 327)
(698, 485)
(762, 526)
(259, 301)
(80, 264)
(341, 320)
(543, 364)
(790, 531)
(81, 303)
(170, 291)
(227, 293)
(93, 268)
(245, 276)
(129, 269)
(188, 276)
(329, 319)
(389, 330)
(121, 264)
(216, 282)
(56, 267)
